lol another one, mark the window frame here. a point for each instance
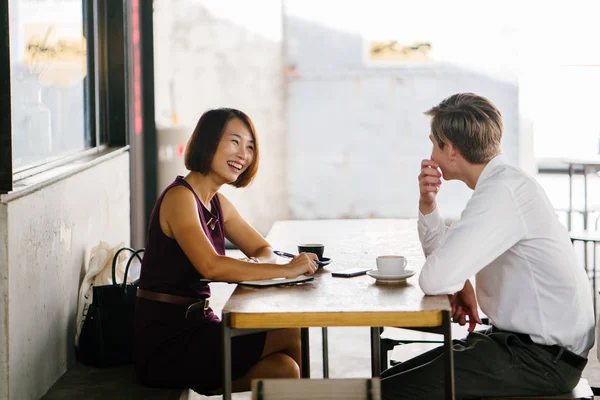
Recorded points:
(6, 179)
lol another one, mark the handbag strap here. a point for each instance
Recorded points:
(114, 263)
(137, 254)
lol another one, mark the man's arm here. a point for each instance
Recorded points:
(432, 231)
(464, 304)
(489, 225)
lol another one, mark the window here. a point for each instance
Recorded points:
(48, 73)
(61, 96)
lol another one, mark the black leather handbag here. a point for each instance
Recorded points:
(107, 333)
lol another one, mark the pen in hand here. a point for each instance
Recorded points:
(290, 256)
(284, 254)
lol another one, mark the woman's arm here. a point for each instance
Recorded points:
(243, 235)
(179, 212)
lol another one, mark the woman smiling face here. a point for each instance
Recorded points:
(235, 152)
(225, 146)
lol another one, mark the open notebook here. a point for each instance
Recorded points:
(271, 282)
(278, 281)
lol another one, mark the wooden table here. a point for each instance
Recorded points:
(328, 301)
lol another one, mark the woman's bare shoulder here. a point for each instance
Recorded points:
(178, 196)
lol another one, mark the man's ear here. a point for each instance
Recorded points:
(453, 151)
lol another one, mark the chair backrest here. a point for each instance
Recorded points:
(317, 389)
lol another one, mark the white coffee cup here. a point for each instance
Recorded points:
(391, 265)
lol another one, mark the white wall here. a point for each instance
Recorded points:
(357, 133)
(560, 76)
(42, 255)
(344, 139)
(211, 54)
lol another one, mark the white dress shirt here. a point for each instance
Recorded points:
(527, 277)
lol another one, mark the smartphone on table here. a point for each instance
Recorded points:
(350, 272)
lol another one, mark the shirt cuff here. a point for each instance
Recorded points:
(431, 221)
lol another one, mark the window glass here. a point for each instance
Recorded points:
(48, 70)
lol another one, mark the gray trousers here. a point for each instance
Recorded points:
(485, 364)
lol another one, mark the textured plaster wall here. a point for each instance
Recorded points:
(3, 302)
(44, 238)
(211, 54)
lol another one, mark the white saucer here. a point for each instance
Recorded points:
(390, 278)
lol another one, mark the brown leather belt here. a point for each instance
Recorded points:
(192, 303)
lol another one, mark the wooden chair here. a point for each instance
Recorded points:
(316, 389)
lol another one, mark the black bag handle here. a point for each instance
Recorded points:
(114, 263)
(137, 254)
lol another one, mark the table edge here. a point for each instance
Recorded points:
(422, 318)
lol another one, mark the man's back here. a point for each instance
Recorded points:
(536, 286)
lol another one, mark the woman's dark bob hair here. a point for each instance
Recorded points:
(203, 143)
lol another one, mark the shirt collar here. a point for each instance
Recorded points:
(495, 162)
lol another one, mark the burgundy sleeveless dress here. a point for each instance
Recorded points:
(170, 350)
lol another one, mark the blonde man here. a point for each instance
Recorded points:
(527, 277)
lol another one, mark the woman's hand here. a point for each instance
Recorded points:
(303, 264)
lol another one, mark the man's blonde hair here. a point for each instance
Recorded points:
(470, 122)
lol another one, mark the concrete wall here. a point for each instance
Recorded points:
(44, 237)
(211, 54)
(3, 302)
(357, 134)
